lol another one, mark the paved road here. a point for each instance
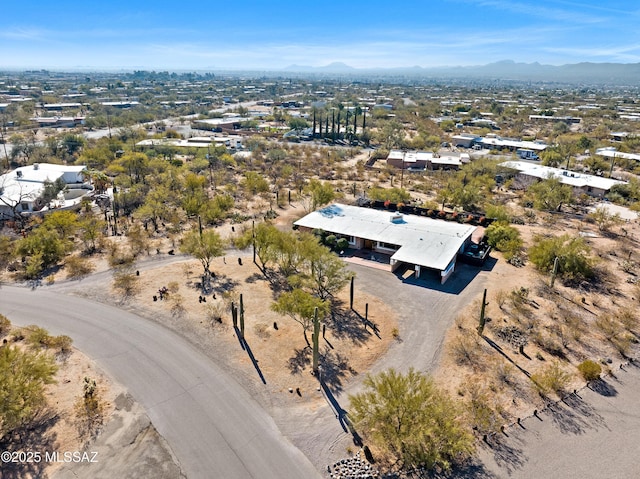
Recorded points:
(590, 436)
(213, 426)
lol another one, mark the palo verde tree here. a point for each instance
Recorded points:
(203, 246)
(410, 422)
(574, 262)
(550, 194)
(321, 271)
(23, 377)
(300, 305)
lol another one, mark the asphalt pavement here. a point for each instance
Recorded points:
(214, 427)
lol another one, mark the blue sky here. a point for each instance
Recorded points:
(268, 35)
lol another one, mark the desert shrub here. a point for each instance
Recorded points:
(549, 344)
(173, 287)
(78, 267)
(177, 305)
(504, 373)
(89, 409)
(467, 351)
(501, 297)
(590, 370)
(5, 325)
(342, 244)
(551, 379)
(628, 318)
(125, 281)
(485, 413)
(623, 344)
(608, 326)
(498, 212)
(262, 330)
(572, 253)
(215, 312)
(38, 337)
(504, 238)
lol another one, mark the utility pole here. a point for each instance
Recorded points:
(402, 170)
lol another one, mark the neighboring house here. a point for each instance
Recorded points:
(580, 182)
(426, 160)
(611, 152)
(21, 190)
(498, 143)
(555, 119)
(464, 140)
(194, 142)
(58, 121)
(213, 124)
(422, 244)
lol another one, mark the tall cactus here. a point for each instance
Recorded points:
(352, 279)
(315, 338)
(234, 315)
(241, 317)
(554, 272)
(482, 309)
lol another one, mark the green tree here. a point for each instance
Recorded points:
(23, 376)
(321, 193)
(505, 238)
(394, 195)
(204, 247)
(410, 421)
(300, 306)
(604, 219)
(254, 183)
(266, 240)
(43, 247)
(322, 271)
(91, 231)
(550, 194)
(65, 223)
(574, 261)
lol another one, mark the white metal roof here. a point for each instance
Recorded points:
(423, 241)
(610, 152)
(577, 180)
(511, 143)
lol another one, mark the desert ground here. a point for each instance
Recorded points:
(276, 370)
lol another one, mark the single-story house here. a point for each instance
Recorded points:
(464, 140)
(611, 152)
(423, 244)
(496, 142)
(21, 189)
(581, 182)
(421, 160)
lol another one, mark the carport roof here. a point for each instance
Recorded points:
(423, 241)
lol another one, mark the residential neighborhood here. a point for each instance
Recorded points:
(339, 241)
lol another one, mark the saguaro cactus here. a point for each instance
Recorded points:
(351, 291)
(241, 317)
(482, 309)
(315, 338)
(234, 315)
(554, 272)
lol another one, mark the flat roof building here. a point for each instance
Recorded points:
(22, 188)
(416, 241)
(582, 183)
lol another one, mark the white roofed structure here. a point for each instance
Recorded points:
(22, 188)
(581, 182)
(409, 239)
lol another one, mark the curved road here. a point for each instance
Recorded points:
(213, 426)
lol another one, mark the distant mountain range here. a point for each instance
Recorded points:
(577, 73)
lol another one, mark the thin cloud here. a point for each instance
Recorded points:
(536, 9)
